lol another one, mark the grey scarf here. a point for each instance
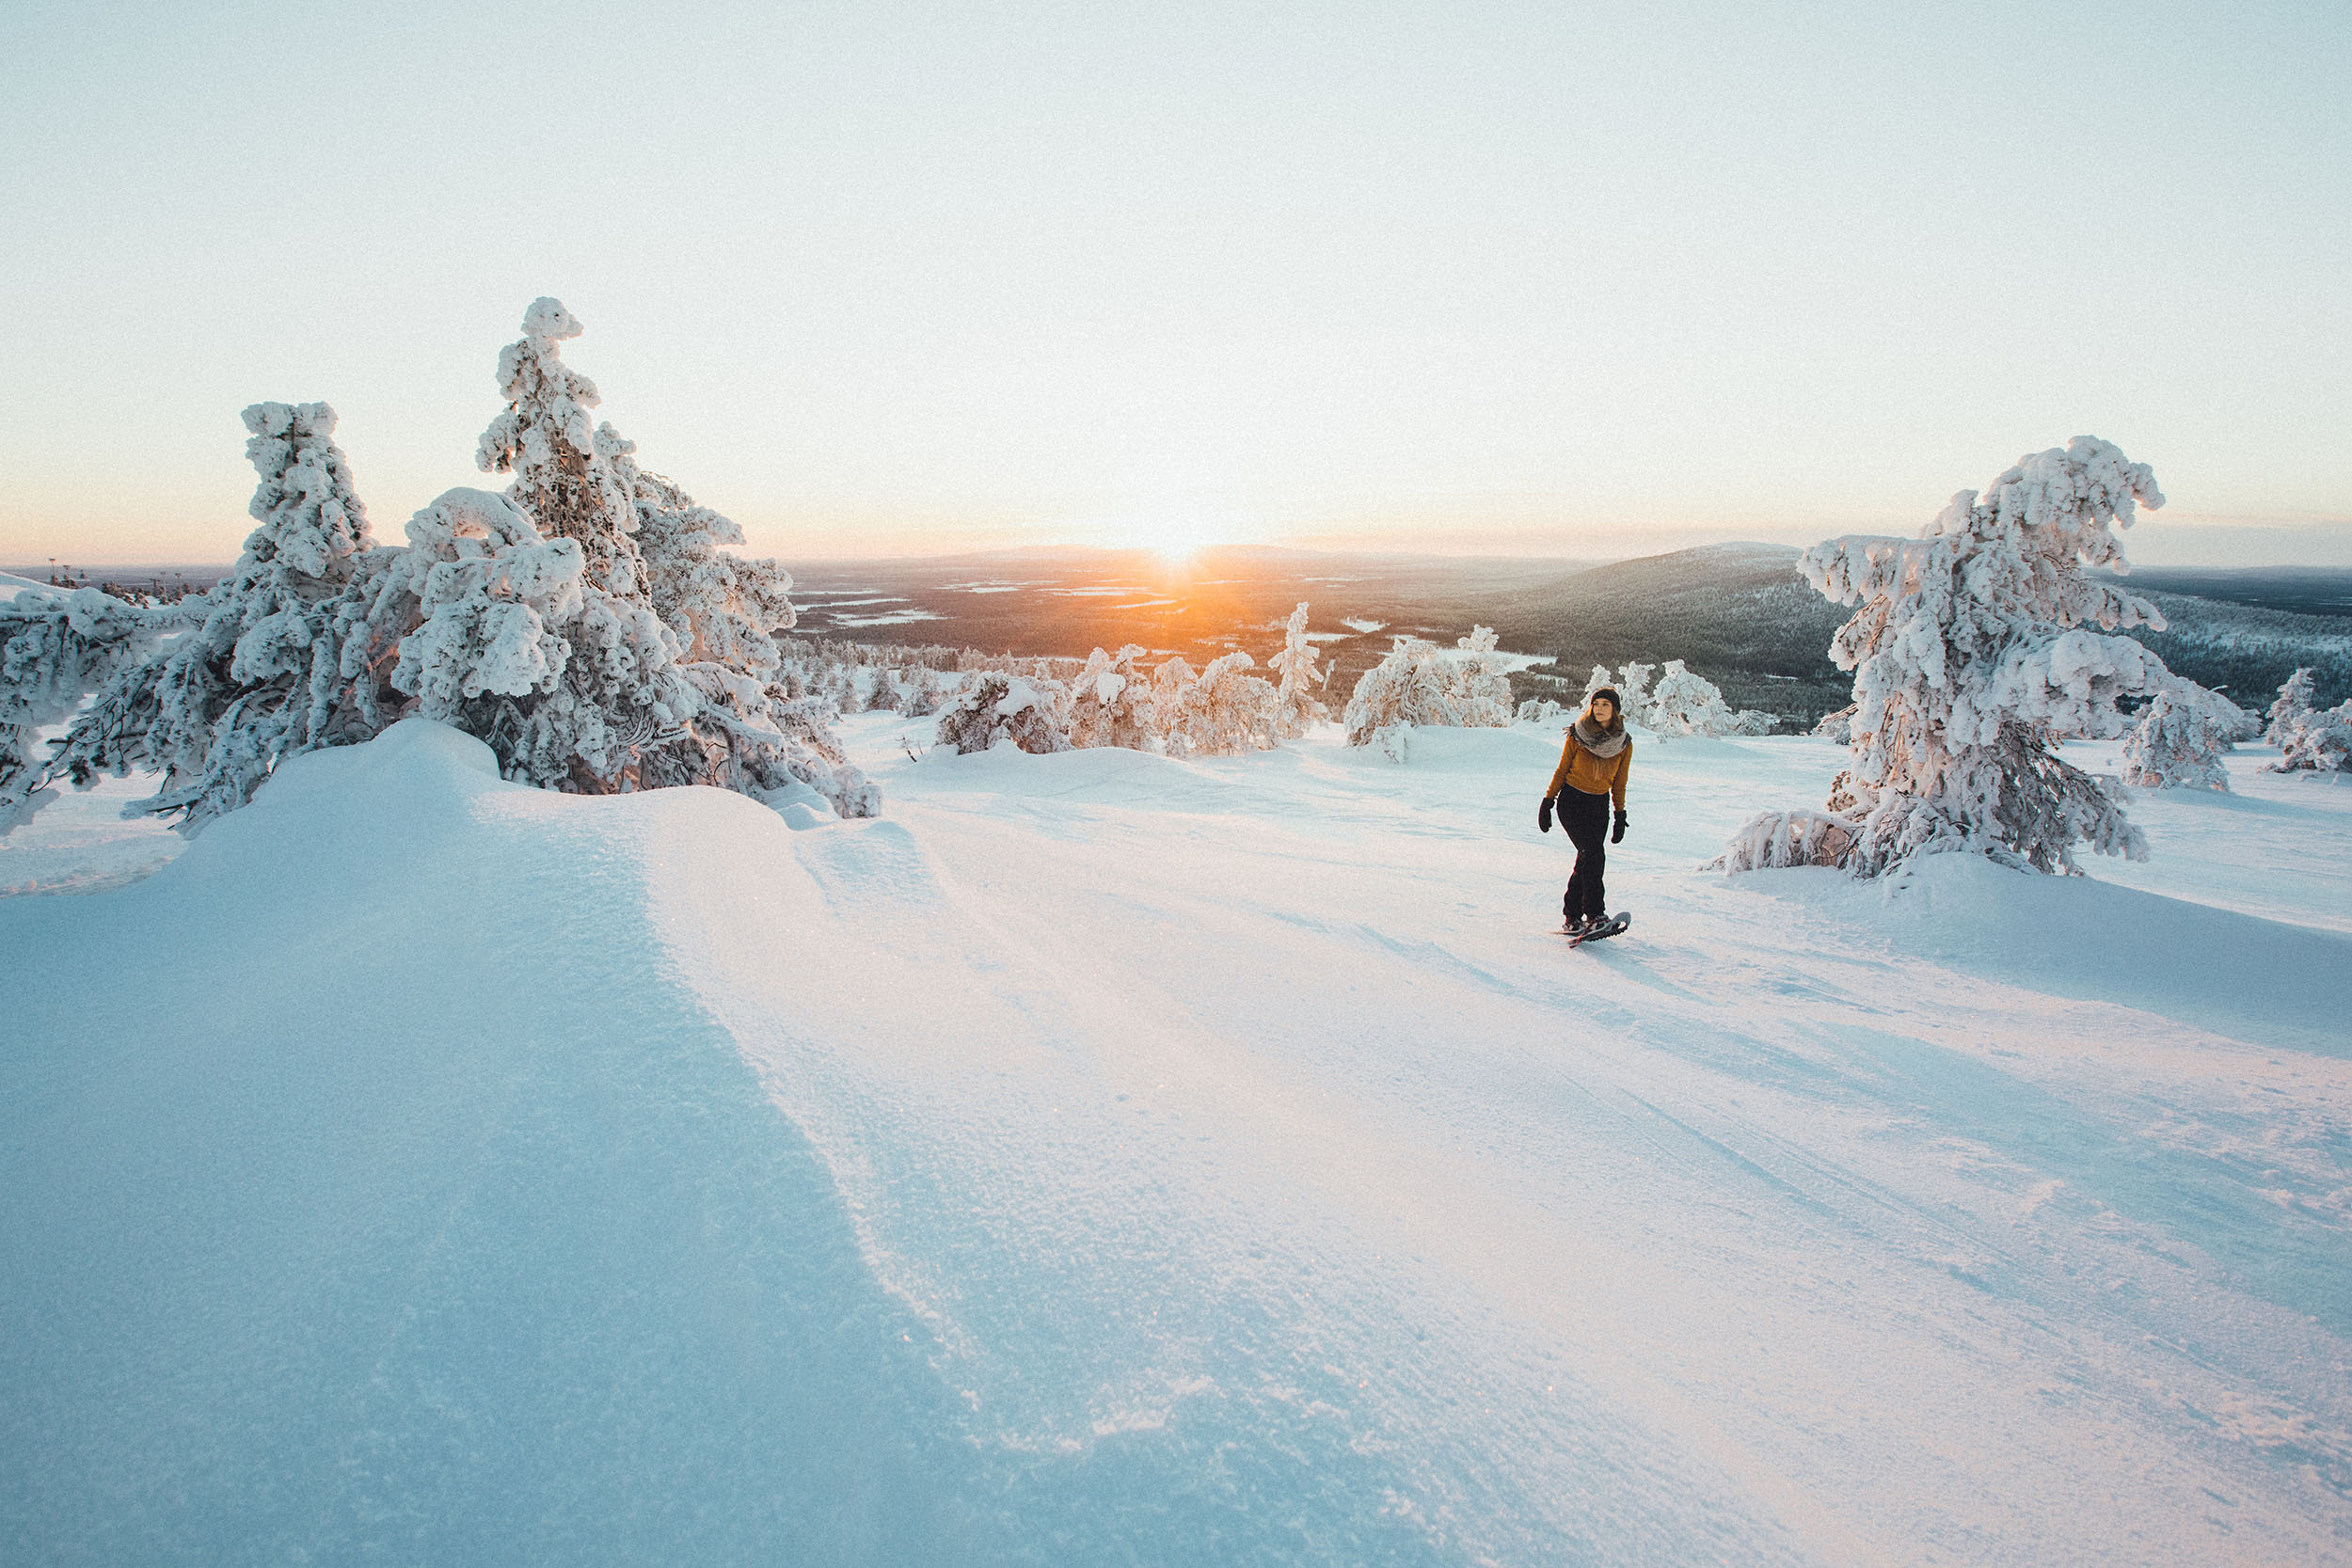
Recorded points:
(1603, 744)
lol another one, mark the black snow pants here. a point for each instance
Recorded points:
(1585, 819)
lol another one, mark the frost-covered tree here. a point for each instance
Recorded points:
(564, 476)
(921, 696)
(2296, 701)
(1110, 702)
(1297, 674)
(56, 648)
(2175, 743)
(1226, 711)
(555, 646)
(1483, 686)
(1543, 710)
(1635, 693)
(1594, 683)
(2315, 741)
(279, 662)
(997, 707)
(1837, 727)
(1420, 683)
(1972, 661)
(1171, 689)
(1684, 703)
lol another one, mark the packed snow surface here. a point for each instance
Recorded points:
(1101, 1158)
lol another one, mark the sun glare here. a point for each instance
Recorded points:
(1176, 535)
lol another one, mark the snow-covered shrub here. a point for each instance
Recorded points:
(1754, 721)
(56, 648)
(2175, 743)
(1542, 710)
(1225, 711)
(1684, 703)
(1392, 741)
(2317, 741)
(997, 707)
(1297, 673)
(1171, 689)
(1420, 683)
(1772, 839)
(1971, 662)
(1838, 727)
(1110, 702)
(2296, 701)
(921, 694)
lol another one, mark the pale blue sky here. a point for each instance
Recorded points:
(882, 278)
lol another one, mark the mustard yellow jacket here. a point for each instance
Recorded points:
(1580, 770)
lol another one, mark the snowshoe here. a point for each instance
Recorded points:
(1599, 929)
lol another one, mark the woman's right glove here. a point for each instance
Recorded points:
(1616, 834)
(1543, 814)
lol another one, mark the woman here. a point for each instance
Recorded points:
(1593, 765)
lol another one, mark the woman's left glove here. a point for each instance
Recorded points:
(1616, 833)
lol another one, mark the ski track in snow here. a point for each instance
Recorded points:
(1111, 1159)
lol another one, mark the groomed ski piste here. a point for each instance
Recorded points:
(1101, 1158)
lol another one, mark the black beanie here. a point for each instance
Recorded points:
(1615, 700)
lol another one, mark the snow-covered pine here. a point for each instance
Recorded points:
(564, 476)
(1634, 689)
(276, 663)
(997, 707)
(1420, 683)
(1110, 702)
(2317, 740)
(921, 695)
(57, 646)
(1226, 711)
(673, 676)
(1598, 678)
(2297, 700)
(1542, 710)
(1297, 673)
(1971, 662)
(2175, 743)
(1684, 703)
(1483, 683)
(1171, 689)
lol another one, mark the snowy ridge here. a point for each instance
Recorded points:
(1107, 1156)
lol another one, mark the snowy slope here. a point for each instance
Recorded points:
(1101, 1158)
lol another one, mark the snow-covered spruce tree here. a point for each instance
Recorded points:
(278, 664)
(1226, 711)
(1420, 683)
(674, 671)
(1297, 673)
(1171, 689)
(1971, 662)
(2296, 701)
(1633, 687)
(996, 706)
(1542, 710)
(2315, 741)
(1594, 682)
(1411, 686)
(2174, 744)
(56, 648)
(1110, 702)
(1686, 705)
(1483, 687)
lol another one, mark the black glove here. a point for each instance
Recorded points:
(1543, 814)
(1616, 834)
